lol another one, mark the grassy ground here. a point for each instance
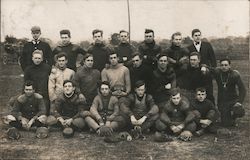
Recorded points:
(89, 146)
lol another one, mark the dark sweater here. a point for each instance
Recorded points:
(29, 107)
(206, 109)
(151, 50)
(227, 86)
(39, 74)
(144, 73)
(29, 48)
(69, 107)
(160, 79)
(124, 51)
(72, 51)
(100, 54)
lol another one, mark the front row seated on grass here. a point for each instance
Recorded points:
(135, 113)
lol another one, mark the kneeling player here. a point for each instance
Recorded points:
(105, 118)
(68, 110)
(205, 112)
(176, 117)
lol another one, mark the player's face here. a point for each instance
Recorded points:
(62, 61)
(89, 62)
(176, 99)
(104, 90)
(97, 37)
(28, 90)
(68, 88)
(194, 61)
(36, 35)
(177, 40)
(37, 58)
(124, 37)
(200, 96)
(197, 36)
(225, 66)
(140, 91)
(65, 39)
(149, 37)
(163, 62)
(113, 59)
(136, 61)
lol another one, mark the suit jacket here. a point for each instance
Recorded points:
(206, 53)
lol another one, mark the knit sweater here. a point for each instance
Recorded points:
(56, 78)
(86, 80)
(205, 108)
(104, 108)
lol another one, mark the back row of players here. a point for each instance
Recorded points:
(123, 88)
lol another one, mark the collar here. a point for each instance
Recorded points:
(35, 42)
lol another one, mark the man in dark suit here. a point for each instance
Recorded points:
(35, 44)
(204, 48)
(206, 52)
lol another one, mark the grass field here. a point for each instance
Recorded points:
(88, 146)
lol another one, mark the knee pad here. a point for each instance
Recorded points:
(42, 119)
(79, 122)
(51, 120)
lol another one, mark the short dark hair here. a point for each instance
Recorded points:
(96, 31)
(195, 54)
(175, 91)
(149, 31)
(139, 84)
(87, 55)
(201, 89)
(175, 34)
(194, 31)
(137, 54)
(61, 54)
(65, 31)
(29, 83)
(69, 81)
(123, 31)
(104, 83)
(226, 59)
(161, 55)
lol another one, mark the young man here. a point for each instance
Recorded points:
(203, 48)
(193, 77)
(58, 75)
(176, 117)
(105, 118)
(87, 78)
(99, 50)
(124, 49)
(39, 72)
(149, 49)
(35, 44)
(139, 71)
(205, 111)
(140, 109)
(177, 55)
(68, 110)
(28, 109)
(70, 49)
(231, 92)
(118, 76)
(163, 80)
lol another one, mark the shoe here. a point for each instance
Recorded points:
(13, 133)
(42, 132)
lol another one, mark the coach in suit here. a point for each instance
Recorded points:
(204, 48)
(206, 52)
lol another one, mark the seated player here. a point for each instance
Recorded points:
(28, 109)
(105, 118)
(140, 110)
(205, 112)
(176, 117)
(68, 110)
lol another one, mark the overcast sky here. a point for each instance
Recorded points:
(214, 18)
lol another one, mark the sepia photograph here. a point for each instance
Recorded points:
(124, 79)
